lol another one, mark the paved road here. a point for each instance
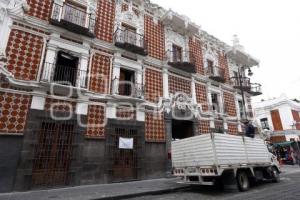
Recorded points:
(288, 188)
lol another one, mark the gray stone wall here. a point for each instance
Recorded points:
(10, 148)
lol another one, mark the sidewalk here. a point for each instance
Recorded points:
(101, 192)
(113, 191)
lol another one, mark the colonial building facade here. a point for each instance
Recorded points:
(281, 116)
(94, 91)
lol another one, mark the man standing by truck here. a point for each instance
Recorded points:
(250, 130)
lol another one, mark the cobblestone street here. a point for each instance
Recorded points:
(288, 188)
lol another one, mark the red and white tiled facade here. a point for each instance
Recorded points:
(38, 37)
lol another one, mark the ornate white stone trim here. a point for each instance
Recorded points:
(129, 17)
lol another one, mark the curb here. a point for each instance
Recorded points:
(133, 195)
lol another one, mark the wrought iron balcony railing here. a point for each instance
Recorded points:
(242, 83)
(244, 116)
(216, 73)
(73, 19)
(131, 41)
(127, 88)
(64, 75)
(255, 89)
(183, 60)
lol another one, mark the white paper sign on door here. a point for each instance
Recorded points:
(125, 143)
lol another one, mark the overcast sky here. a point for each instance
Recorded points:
(268, 29)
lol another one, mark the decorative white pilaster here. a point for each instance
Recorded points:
(187, 49)
(209, 97)
(193, 88)
(211, 120)
(139, 84)
(221, 102)
(38, 103)
(140, 115)
(111, 110)
(166, 84)
(82, 77)
(82, 108)
(91, 11)
(139, 72)
(5, 23)
(49, 62)
(225, 124)
(115, 78)
(212, 123)
(237, 107)
(240, 127)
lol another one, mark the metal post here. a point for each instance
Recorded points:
(240, 85)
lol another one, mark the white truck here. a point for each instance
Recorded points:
(222, 159)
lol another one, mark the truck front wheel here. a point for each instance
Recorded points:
(242, 181)
(275, 174)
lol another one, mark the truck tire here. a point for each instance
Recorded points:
(275, 174)
(243, 182)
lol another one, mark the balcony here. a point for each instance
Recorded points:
(241, 83)
(184, 60)
(127, 88)
(245, 116)
(216, 74)
(73, 19)
(64, 75)
(255, 89)
(131, 41)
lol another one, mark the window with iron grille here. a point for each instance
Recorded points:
(177, 53)
(126, 82)
(215, 102)
(264, 123)
(65, 71)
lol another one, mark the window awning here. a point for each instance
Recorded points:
(283, 144)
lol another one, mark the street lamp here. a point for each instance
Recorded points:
(250, 73)
(241, 83)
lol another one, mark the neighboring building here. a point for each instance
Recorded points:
(94, 91)
(281, 116)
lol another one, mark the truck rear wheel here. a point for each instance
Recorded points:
(242, 181)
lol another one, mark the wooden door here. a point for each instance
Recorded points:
(124, 164)
(277, 125)
(296, 116)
